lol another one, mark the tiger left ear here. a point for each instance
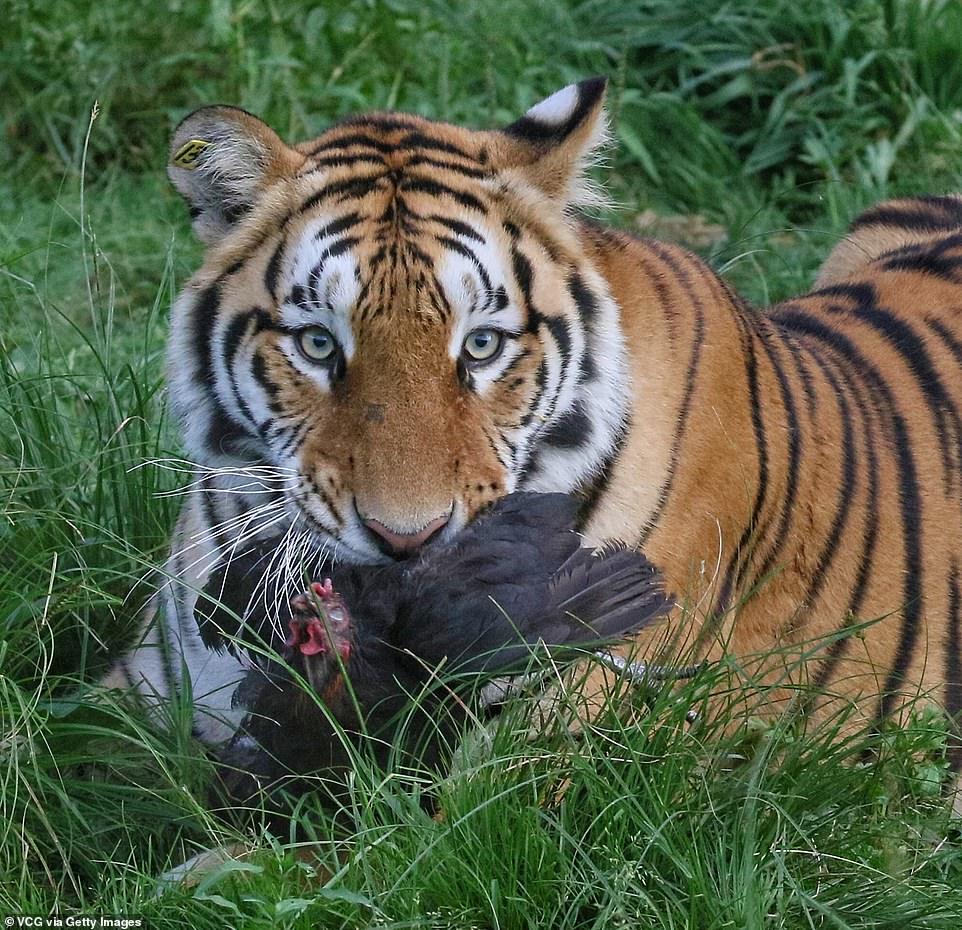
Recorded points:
(222, 159)
(554, 143)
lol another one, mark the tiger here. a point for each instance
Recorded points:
(402, 320)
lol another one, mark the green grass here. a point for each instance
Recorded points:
(773, 120)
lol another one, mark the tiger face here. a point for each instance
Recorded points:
(397, 317)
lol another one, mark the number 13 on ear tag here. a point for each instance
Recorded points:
(186, 156)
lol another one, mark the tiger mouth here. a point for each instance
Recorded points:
(339, 548)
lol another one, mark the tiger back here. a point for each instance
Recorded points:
(402, 320)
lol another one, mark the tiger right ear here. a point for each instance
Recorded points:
(221, 160)
(554, 143)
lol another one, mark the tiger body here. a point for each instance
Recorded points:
(332, 366)
(808, 471)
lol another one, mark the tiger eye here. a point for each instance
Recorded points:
(482, 345)
(317, 344)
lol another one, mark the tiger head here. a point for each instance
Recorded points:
(401, 315)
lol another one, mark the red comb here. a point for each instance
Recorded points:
(323, 591)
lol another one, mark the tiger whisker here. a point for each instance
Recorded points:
(243, 536)
(253, 487)
(206, 563)
(243, 517)
(265, 477)
(187, 466)
(298, 551)
(207, 535)
(278, 578)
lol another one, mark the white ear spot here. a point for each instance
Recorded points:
(556, 109)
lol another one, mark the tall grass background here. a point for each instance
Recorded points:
(752, 131)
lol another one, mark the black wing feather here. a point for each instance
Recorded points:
(517, 578)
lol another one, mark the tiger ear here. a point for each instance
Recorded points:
(555, 142)
(221, 160)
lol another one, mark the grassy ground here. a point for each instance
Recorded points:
(769, 121)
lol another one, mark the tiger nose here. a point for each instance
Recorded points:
(402, 545)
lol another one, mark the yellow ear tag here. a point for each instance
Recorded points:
(186, 156)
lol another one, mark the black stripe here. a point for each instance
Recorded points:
(203, 319)
(418, 140)
(224, 434)
(557, 327)
(870, 537)
(295, 438)
(420, 185)
(923, 261)
(314, 521)
(808, 384)
(909, 493)
(914, 254)
(732, 574)
(444, 165)
(307, 299)
(911, 347)
(691, 375)
(560, 332)
(665, 301)
(540, 380)
(922, 214)
(273, 268)
(948, 338)
(334, 249)
(953, 668)
(352, 187)
(259, 371)
(456, 226)
(356, 138)
(235, 333)
(866, 560)
(522, 274)
(386, 122)
(848, 485)
(326, 500)
(593, 489)
(587, 307)
(344, 160)
(493, 446)
(338, 226)
(585, 302)
(571, 430)
(523, 355)
(794, 453)
(455, 245)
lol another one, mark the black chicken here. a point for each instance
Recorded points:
(411, 640)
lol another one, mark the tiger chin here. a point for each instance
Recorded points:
(401, 320)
